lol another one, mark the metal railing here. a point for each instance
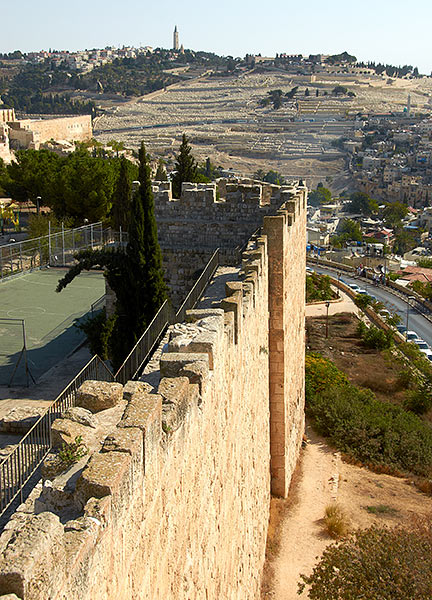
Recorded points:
(98, 305)
(22, 463)
(55, 249)
(19, 466)
(199, 287)
(139, 354)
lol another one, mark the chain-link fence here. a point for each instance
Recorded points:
(56, 249)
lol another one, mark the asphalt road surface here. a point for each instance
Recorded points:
(416, 321)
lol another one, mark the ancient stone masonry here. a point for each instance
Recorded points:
(208, 216)
(171, 499)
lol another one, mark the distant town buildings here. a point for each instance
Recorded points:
(84, 61)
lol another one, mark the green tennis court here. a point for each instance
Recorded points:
(49, 319)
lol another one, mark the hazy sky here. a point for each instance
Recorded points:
(392, 31)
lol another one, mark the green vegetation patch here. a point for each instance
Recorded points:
(360, 425)
(375, 563)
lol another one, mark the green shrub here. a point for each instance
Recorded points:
(419, 400)
(381, 563)
(360, 425)
(363, 300)
(318, 288)
(377, 338)
(97, 329)
(72, 452)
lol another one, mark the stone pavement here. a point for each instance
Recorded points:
(345, 304)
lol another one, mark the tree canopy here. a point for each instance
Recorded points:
(135, 275)
(79, 186)
(321, 195)
(186, 167)
(362, 203)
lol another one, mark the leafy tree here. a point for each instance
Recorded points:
(85, 187)
(425, 263)
(292, 92)
(135, 276)
(393, 214)
(404, 242)
(186, 167)
(116, 146)
(319, 196)
(271, 176)
(34, 173)
(362, 203)
(349, 231)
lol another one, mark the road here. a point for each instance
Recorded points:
(416, 321)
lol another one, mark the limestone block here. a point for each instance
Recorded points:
(21, 419)
(197, 372)
(64, 431)
(128, 440)
(141, 410)
(80, 415)
(9, 597)
(171, 363)
(32, 564)
(104, 475)
(178, 397)
(99, 395)
(144, 412)
(133, 387)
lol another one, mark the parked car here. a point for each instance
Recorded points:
(427, 353)
(354, 287)
(411, 336)
(421, 344)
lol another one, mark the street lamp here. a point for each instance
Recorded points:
(327, 327)
(407, 314)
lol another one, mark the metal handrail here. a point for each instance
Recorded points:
(144, 346)
(21, 464)
(199, 287)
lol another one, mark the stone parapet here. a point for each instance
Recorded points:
(172, 498)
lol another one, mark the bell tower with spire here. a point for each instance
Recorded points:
(176, 45)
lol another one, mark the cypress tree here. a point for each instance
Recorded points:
(161, 174)
(122, 198)
(186, 167)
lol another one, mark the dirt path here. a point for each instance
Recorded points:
(302, 537)
(365, 497)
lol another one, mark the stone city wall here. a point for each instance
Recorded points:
(29, 133)
(208, 216)
(176, 502)
(172, 500)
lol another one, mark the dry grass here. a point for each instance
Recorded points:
(336, 522)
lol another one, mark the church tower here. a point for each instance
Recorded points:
(176, 45)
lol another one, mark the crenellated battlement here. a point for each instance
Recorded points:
(172, 498)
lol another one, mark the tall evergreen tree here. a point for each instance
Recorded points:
(143, 233)
(161, 174)
(186, 167)
(122, 197)
(136, 277)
